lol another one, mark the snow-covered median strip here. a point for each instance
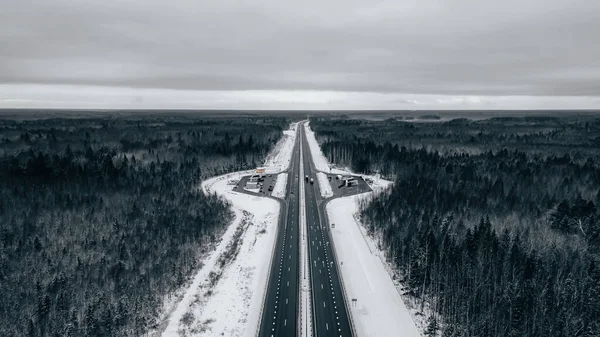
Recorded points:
(280, 186)
(379, 309)
(324, 185)
(280, 157)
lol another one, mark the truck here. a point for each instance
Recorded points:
(312, 181)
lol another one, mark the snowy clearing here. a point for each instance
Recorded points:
(280, 186)
(280, 157)
(380, 310)
(238, 268)
(324, 185)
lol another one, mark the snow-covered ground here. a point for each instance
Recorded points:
(281, 155)
(315, 151)
(324, 185)
(231, 306)
(280, 186)
(238, 267)
(380, 310)
(322, 164)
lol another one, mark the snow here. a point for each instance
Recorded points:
(324, 185)
(234, 307)
(323, 165)
(280, 186)
(318, 158)
(380, 310)
(280, 157)
(208, 184)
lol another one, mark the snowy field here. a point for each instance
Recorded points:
(380, 310)
(280, 157)
(231, 306)
(324, 185)
(280, 186)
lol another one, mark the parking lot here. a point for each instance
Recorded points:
(339, 190)
(269, 180)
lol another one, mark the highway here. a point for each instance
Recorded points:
(280, 311)
(330, 317)
(281, 306)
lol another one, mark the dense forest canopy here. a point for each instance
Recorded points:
(100, 218)
(495, 223)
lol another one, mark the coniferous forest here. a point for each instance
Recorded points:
(100, 218)
(494, 223)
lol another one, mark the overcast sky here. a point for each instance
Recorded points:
(311, 53)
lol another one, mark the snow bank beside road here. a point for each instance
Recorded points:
(281, 155)
(280, 186)
(379, 310)
(324, 185)
(315, 151)
(231, 306)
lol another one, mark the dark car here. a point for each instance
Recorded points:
(270, 188)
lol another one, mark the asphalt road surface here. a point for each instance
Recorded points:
(330, 317)
(269, 180)
(339, 190)
(280, 312)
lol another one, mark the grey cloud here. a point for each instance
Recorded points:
(456, 47)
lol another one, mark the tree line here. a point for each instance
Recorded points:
(101, 218)
(501, 238)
